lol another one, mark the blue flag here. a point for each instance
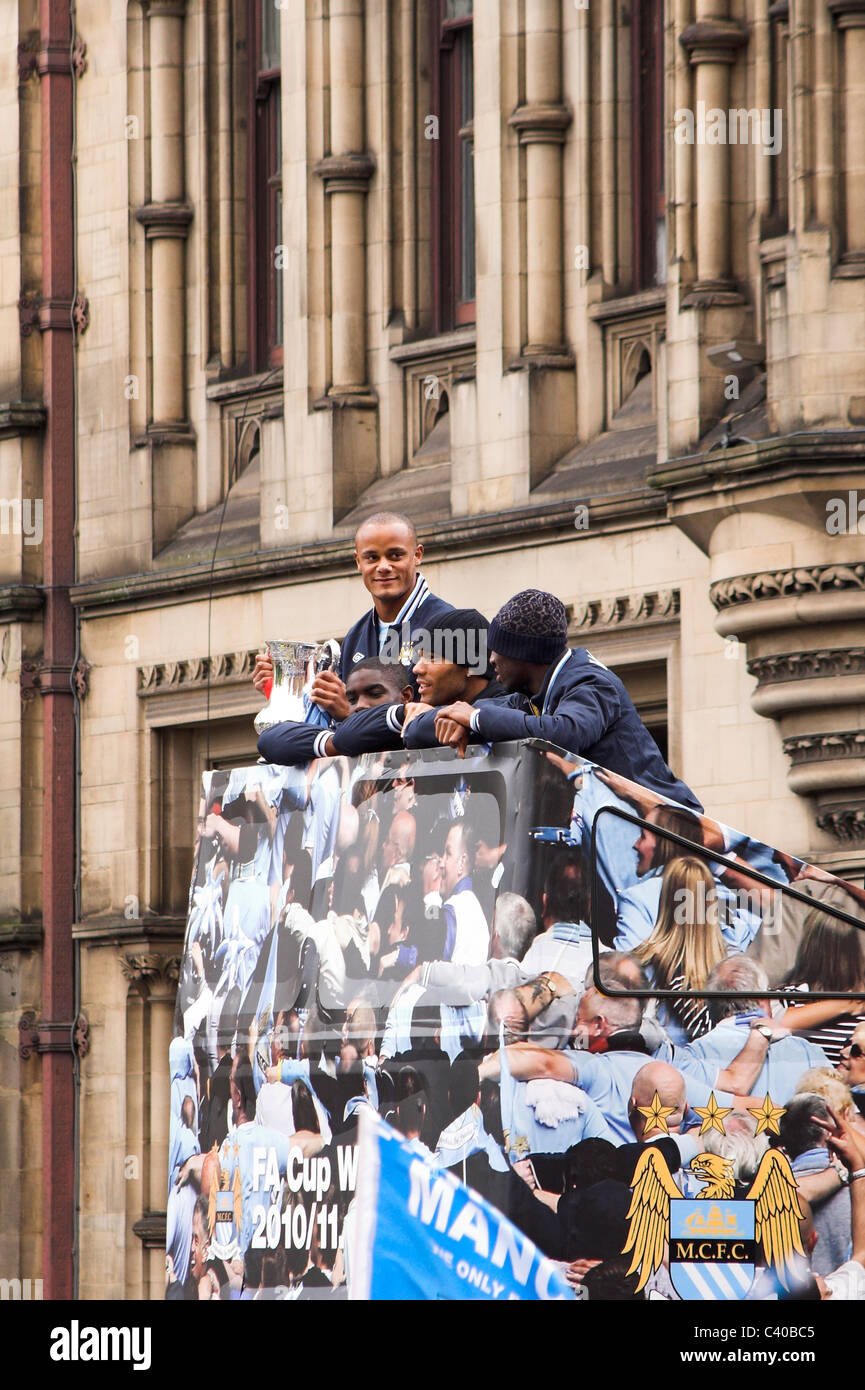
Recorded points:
(422, 1234)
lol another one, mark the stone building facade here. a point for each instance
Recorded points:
(581, 286)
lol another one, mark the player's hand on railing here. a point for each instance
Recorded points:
(413, 709)
(452, 735)
(460, 713)
(452, 726)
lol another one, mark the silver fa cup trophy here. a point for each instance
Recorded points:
(295, 666)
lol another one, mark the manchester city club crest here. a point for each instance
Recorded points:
(714, 1241)
(712, 1248)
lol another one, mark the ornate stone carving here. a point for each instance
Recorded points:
(79, 56)
(28, 313)
(29, 679)
(27, 50)
(797, 666)
(81, 313)
(141, 967)
(171, 968)
(80, 675)
(821, 748)
(166, 676)
(596, 615)
(145, 969)
(816, 579)
(847, 824)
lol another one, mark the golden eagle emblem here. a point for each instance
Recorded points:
(775, 1224)
(717, 1173)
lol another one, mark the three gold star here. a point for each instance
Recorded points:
(656, 1114)
(768, 1115)
(712, 1115)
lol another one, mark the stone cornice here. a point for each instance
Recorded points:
(821, 748)
(466, 535)
(629, 610)
(809, 453)
(165, 677)
(136, 933)
(847, 823)
(798, 666)
(769, 584)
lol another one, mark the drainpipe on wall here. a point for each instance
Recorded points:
(57, 1027)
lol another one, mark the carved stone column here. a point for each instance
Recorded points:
(683, 167)
(345, 183)
(541, 124)
(166, 218)
(345, 173)
(152, 980)
(712, 44)
(824, 41)
(607, 79)
(705, 269)
(850, 19)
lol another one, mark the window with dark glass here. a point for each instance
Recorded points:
(266, 193)
(453, 178)
(647, 144)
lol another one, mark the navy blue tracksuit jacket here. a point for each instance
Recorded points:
(583, 707)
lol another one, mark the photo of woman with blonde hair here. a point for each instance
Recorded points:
(684, 945)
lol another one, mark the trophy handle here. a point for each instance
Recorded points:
(326, 656)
